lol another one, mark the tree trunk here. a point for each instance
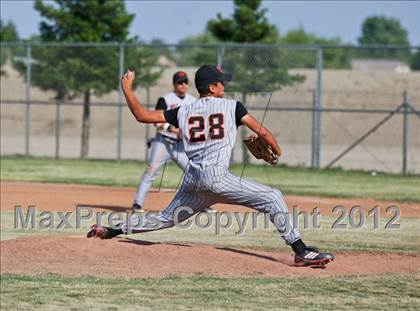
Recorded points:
(245, 155)
(84, 150)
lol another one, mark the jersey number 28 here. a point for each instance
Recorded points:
(197, 127)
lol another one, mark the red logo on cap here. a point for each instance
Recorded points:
(219, 69)
(182, 74)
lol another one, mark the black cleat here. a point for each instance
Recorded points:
(312, 257)
(103, 232)
(136, 207)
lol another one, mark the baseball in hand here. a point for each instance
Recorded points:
(129, 74)
(127, 80)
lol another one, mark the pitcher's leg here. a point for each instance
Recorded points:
(268, 200)
(180, 157)
(183, 206)
(262, 198)
(158, 157)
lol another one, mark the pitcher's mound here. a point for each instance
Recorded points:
(127, 258)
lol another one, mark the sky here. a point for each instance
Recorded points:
(174, 20)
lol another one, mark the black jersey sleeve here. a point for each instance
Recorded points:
(161, 104)
(171, 116)
(240, 112)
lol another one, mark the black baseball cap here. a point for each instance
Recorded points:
(180, 76)
(208, 74)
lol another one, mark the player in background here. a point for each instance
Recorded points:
(167, 144)
(208, 128)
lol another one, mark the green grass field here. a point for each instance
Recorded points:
(299, 181)
(377, 292)
(50, 292)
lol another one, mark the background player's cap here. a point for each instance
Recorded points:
(208, 74)
(180, 76)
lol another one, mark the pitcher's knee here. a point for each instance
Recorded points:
(151, 172)
(278, 195)
(277, 198)
(277, 204)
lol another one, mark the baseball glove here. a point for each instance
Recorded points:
(260, 150)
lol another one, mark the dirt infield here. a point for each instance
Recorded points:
(128, 258)
(62, 197)
(77, 256)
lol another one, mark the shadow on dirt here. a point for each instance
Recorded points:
(147, 243)
(242, 252)
(116, 208)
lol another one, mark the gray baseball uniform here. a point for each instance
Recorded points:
(209, 128)
(165, 146)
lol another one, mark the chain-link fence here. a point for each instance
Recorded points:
(352, 107)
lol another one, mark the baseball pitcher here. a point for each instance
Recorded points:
(208, 129)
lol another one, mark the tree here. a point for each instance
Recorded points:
(146, 59)
(73, 71)
(196, 56)
(415, 60)
(257, 69)
(332, 57)
(384, 31)
(7, 33)
(249, 25)
(160, 48)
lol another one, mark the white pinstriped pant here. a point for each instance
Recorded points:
(163, 150)
(203, 188)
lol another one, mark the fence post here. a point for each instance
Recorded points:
(313, 164)
(405, 133)
(28, 98)
(317, 127)
(57, 129)
(119, 134)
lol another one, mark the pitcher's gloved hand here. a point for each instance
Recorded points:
(260, 149)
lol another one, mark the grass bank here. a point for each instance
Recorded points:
(291, 180)
(384, 292)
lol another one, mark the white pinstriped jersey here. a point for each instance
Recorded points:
(209, 130)
(173, 101)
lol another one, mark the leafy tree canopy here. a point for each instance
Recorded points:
(85, 70)
(7, 33)
(384, 30)
(256, 70)
(71, 71)
(196, 56)
(332, 57)
(84, 21)
(248, 24)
